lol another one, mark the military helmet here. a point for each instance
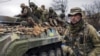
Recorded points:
(22, 5)
(51, 9)
(74, 11)
(62, 15)
(42, 5)
(32, 4)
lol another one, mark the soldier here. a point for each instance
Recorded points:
(61, 19)
(39, 13)
(43, 7)
(29, 23)
(81, 38)
(52, 17)
(33, 7)
(25, 13)
(34, 13)
(44, 16)
(61, 23)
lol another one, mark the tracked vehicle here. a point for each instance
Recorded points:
(17, 44)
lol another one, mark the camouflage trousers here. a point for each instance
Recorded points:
(67, 49)
(95, 52)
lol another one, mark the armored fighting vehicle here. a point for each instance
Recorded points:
(17, 44)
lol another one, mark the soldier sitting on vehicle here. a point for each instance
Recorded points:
(52, 17)
(33, 8)
(25, 13)
(81, 38)
(61, 24)
(61, 19)
(44, 16)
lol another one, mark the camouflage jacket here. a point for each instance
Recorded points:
(85, 40)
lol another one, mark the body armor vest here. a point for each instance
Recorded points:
(80, 42)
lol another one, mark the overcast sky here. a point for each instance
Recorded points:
(12, 7)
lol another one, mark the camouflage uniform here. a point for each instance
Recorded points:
(61, 20)
(44, 16)
(52, 16)
(25, 13)
(81, 39)
(33, 7)
(34, 12)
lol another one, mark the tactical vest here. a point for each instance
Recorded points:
(81, 41)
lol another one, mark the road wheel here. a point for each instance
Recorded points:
(34, 55)
(25, 55)
(52, 53)
(58, 52)
(43, 54)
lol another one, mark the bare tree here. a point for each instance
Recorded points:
(60, 5)
(93, 13)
